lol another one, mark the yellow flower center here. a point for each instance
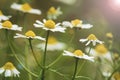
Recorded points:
(7, 24)
(78, 53)
(91, 37)
(1, 13)
(52, 10)
(76, 22)
(109, 35)
(9, 66)
(117, 76)
(26, 7)
(100, 48)
(50, 24)
(30, 33)
(52, 40)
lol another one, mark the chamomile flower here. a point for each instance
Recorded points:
(109, 35)
(49, 25)
(76, 23)
(91, 38)
(116, 76)
(9, 70)
(53, 13)
(29, 35)
(3, 17)
(78, 54)
(26, 8)
(8, 25)
(100, 51)
(52, 45)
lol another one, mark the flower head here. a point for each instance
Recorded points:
(26, 8)
(100, 51)
(30, 35)
(9, 70)
(49, 25)
(76, 23)
(53, 13)
(3, 17)
(52, 45)
(109, 35)
(8, 25)
(91, 38)
(78, 54)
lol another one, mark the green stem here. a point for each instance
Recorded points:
(75, 70)
(44, 56)
(54, 62)
(83, 62)
(24, 21)
(60, 74)
(10, 45)
(81, 67)
(34, 53)
(89, 50)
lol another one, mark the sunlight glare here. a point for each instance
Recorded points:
(115, 4)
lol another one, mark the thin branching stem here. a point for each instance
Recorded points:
(44, 57)
(55, 61)
(34, 53)
(10, 45)
(75, 70)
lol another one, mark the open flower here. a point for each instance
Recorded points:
(8, 25)
(78, 54)
(91, 38)
(30, 35)
(26, 8)
(52, 45)
(53, 13)
(9, 70)
(3, 17)
(76, 23)
(100, 51)
(49, 25)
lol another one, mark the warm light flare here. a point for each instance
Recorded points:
(115, 4)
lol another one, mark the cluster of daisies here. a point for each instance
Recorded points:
(50, 25)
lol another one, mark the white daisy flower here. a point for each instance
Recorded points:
(8, 25)
(52, 45)
(76, 23)
(100, 51)
(30, 35)
(53, 13)
(9, 70)
(26, 8)
(3, 17)
(49, 25)
(91, 38)
(78, 54)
